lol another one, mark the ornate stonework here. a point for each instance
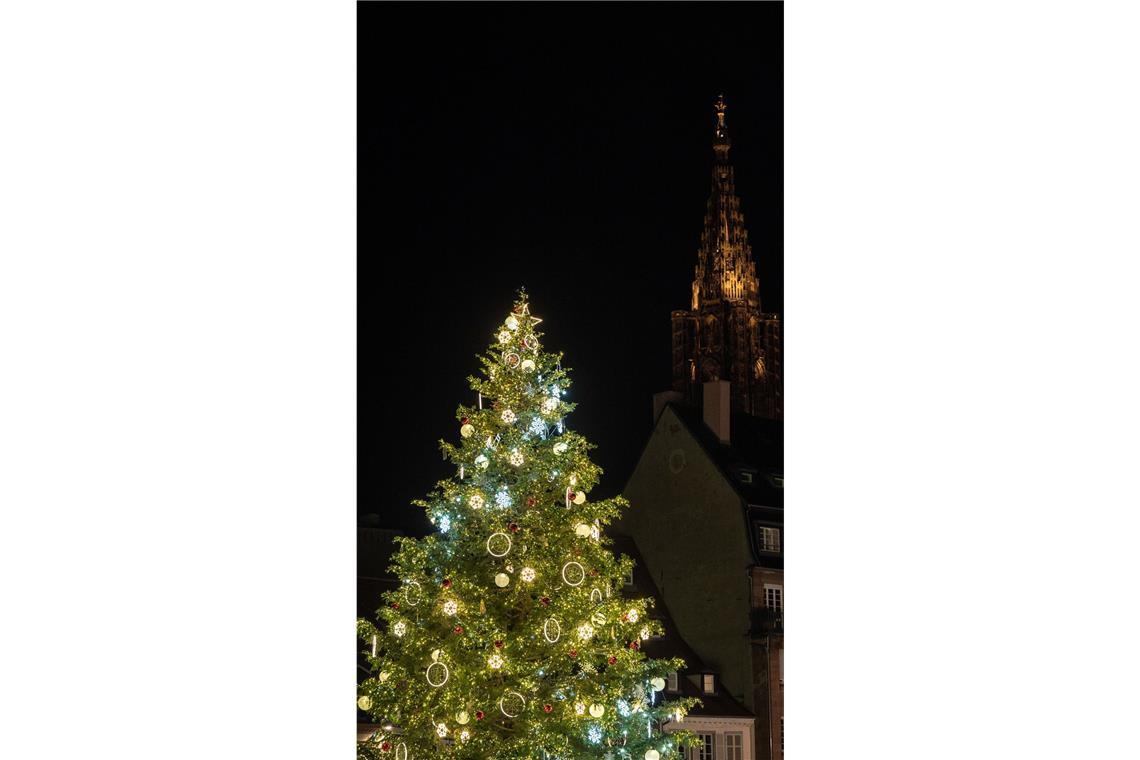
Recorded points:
(724, 335)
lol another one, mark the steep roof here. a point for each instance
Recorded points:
(756, 447)
(672, 644)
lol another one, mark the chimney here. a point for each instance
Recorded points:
(663, 398)
(717, 405)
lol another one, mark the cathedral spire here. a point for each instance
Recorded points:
(724, 335)
(725, 270)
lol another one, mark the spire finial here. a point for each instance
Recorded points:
(720, 140)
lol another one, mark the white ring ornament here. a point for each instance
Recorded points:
(404, 747)
(407, 588)
(546, 630)
(446, 674)
(581, 573)
(505, 552)
(503, 707)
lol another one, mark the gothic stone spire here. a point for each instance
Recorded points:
(725, 270)
(724, 335)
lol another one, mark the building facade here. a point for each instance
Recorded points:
(725, 335)
(706, 511)
(725, 728)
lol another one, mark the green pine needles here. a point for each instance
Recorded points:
(508, 637)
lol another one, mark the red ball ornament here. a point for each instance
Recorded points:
(573, 652)
(395, 605)
(513, 527)
(464, 421)
(478, 715)
(385, 746)
(498, 645)
(459, 629)
(548, 708)
(545, 601)
(531, 501)
(570, 495)
(634, 645)
(611, 660)
(447, 583)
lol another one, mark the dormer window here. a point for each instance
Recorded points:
(770, 540)
(745, 477)
(708, 683)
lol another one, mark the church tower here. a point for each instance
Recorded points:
(725, 335)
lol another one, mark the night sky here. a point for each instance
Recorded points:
(566, 149)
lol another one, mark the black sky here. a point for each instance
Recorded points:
(562, 148)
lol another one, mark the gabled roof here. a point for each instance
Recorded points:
(757, 446)
(672, 644)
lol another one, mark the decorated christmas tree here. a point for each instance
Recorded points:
(508, 637)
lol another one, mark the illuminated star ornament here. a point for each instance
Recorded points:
(524, 311)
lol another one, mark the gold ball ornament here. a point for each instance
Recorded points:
(467, 430)
(582, 530)
(502, 580)
(658, 684)
(597, 710)
(579, 497)
(512, 323)
(461, 717)
(384, 676)
(364, 703)
(560, 447)
(652, 754)
(482, 461)
(528, 365)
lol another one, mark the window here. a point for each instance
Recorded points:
(734, 747)
(770, 540)
(708, 683)
(745, 477)
(773, 597)
(704, 749)
(629, 577)
(671, 682)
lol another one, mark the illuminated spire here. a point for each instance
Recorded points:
(725, 270)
